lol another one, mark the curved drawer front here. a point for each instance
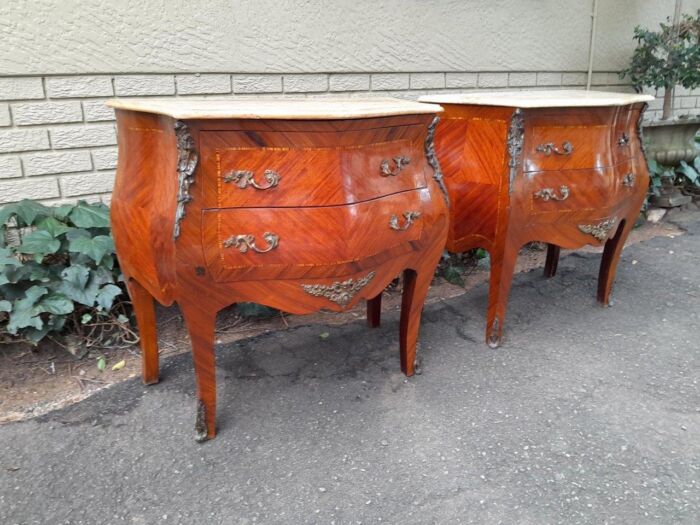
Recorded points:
(569, 190)
(318, 236)
(564, 147)
(311, 168)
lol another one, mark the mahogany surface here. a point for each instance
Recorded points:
(506, 191)
(334, 230)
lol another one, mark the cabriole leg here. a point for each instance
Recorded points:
(145, 312)
(611, 256)
(201, 325)
(502, 268)
(374, 311)
(415, 290)
(550, 265)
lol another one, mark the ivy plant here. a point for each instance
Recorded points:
(58, 270)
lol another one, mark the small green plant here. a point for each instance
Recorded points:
(684, 175)
(667, 58)
(453, 267)
(59, 272)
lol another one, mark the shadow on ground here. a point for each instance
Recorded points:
(585, 415)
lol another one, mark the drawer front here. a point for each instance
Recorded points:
(310, 169)
(567, 147)
(569, 190)
(296, 237)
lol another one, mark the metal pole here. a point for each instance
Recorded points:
(591, 44)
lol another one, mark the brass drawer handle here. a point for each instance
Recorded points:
(566, 148)
(629, 180)
(400, 162)
(624, 140)
(409, 217)
(547, 194)
(247, 242)
(243, 178)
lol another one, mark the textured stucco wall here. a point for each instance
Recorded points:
(60, 60)
(265, 36)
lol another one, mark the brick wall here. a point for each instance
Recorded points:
(58, 139)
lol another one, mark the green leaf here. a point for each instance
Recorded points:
(86, 215)
(85, 318)
(25, 311)
(655, 167)
(453, 276)
(101, 363)
(6, 212)
(5, 306)
(7, 258)
(54, 227)
(62, 212)
(34, 335)
(106, 296)
(689, 172)
(95, 248)
(76, 285)
(34, 293)
(28, 211)
(39, 242)
(56, 303)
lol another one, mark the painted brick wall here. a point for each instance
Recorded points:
(58, 139)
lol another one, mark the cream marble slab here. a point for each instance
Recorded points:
(288, 109)
(539, 99)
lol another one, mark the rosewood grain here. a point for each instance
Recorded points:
(567, 176)
(297, 214)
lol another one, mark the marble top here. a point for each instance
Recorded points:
(539, 99)
(267, 108)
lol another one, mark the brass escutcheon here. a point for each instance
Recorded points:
(547, 194)
(400, 162)
(245, 178)
(409, 218)
(246, 242)
(566, 148)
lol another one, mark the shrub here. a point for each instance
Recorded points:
(59, 272)
(667, 58)
(684, 175)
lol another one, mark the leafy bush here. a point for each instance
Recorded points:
(58, 271)
(684, 175)
(667, 58)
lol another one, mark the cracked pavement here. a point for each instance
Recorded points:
(584, 415)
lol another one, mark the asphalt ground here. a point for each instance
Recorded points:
(584, 415)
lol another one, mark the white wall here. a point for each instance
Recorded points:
(301, 36)
(60, 60)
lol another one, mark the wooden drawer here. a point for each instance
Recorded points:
(573, 139)
(314, 236)
(569, 190)
(565, 147)
(310, 168)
